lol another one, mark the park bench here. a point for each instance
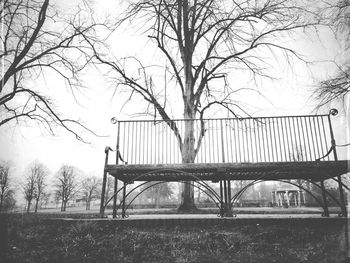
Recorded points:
(257, 149)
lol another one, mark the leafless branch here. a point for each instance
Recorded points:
(34, 40)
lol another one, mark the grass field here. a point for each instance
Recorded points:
(40, 238)
(238, 210)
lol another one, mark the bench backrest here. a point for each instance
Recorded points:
(261, 139)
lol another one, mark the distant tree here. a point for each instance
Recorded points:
(7, 200)
(157, 192)
(335, 88)
(29, 187)
(35, 40)
(264, 191)
(41, 173)
(57, 198)
(45, 199)
(66, 185)
(90, 188)
(35, 184)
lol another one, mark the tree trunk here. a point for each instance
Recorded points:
(63, 207)
(188, 146)
(188, 156)
(88, 201)
(36, 205)
(1, 201)
(28, 206)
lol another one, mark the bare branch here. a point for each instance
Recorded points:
(37, 39)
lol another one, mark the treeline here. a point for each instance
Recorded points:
(37, 188)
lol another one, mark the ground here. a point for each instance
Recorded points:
(173, 238)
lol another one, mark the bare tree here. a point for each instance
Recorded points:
(90, 188)
(57, 198)
(41, 173)
(337, 87)
(45, 199)
(207, 45)
(35, 184)
(36, 40)
(29, 188)
(66, 185)
(6, 192)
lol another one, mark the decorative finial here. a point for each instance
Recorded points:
(333, 112)
(114, 120)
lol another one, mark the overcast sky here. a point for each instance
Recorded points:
(289, 95)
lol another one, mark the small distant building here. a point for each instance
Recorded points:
(288, 197)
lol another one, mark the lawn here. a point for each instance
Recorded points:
(40, 238)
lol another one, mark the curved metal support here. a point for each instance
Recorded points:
(165, 182)
(186, 173)
(114, 194)
(259, 181)
(138, 186)
(206, 186)
(209, 188)
(138, 178)
(170, 170)
(234, 198)
(240, 192)
(328, 193)
(341, 184)
(344, 185)
(244, 188)
(309, 192)
(198, 180)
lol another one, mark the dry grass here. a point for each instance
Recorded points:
(36, 239)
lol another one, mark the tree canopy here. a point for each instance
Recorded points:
(36, 39)
(337, 86)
